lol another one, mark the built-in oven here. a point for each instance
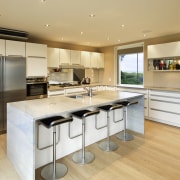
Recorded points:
(36, 88)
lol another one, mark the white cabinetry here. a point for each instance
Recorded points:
(86, 59)
(164, 107)
(36, 50)
(36, 61)
(2, 47)
(15, 48)
(64, 56)
(75, 57)
(100, 60)
(94, 59)
(164, 50)
(53, 57)
(97, 60)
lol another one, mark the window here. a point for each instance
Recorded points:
(130, 66)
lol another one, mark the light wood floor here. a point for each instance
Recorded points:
(154, 156)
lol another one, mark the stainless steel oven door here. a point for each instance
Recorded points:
(36, 90)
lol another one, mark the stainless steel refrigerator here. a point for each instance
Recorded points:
(12, 84)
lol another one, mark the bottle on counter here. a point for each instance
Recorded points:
(170, 65)
(174, 65)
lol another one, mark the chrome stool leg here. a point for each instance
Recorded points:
(83, 157)
(125, 136)
(54, 170)
(108, 145)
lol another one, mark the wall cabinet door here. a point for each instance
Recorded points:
(75, 57)
(164, 50)
(36, 67)
(2, 47)
(100, 60)
(36, 50)
(64, 56)
(86, 59)
(15, 48)
(53, 57)
(94, 59)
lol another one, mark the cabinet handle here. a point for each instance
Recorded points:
(36, 57)
(15, 56)
(164, 111)
(171, 102)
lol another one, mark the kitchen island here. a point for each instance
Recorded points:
(27, 139)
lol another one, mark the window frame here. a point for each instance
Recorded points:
(124, 49)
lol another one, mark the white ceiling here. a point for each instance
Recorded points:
(68, 18)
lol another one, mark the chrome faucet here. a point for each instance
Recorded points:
(89, 91)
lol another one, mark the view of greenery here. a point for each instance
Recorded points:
(131, 68)
(131, 78)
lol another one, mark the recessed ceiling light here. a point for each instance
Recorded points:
(122, 25)
(47, 25)
(92, 15)
(119, 40)
(81, 33)
(43, 1)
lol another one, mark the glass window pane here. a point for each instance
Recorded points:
(131, 68)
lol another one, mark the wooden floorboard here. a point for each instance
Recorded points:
(153, 156)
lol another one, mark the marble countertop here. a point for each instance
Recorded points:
(41, 108)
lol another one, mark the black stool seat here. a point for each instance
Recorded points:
(126, 103)
(83, 157)
(54, 170)
(110, 107)
(84, 113)
(54, 121)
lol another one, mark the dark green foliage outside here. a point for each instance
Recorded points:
(131, 78)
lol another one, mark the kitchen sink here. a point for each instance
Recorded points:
(77, 96)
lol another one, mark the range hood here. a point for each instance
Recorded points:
(13, 34)
(71, 66)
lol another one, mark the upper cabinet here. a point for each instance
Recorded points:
(86, 59)
(53, 57)
(164, 56)
(2, 47)
(75, 57)
(100, 61)
(97, 60)
(64, 56)
(15, 48)
(94, 59)
(36, 50)
(36, 61)
(164, 50)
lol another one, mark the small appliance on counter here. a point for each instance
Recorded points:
(86, 80)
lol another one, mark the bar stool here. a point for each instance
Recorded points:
(108, 145)
(54, 170)
(125, 136)
(83, 157)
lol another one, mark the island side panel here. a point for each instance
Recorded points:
(135, 115)
(20, 142)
